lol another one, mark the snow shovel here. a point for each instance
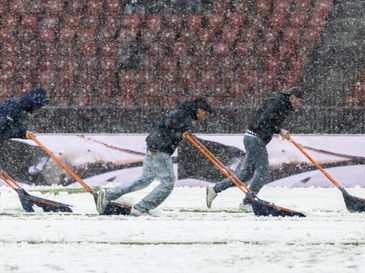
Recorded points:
(353, 203)
(28, 200)
(111, 209)
(260, 207)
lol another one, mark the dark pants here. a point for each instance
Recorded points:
(256, 159)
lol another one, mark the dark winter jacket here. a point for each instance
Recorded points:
(13, 111)
(168, 132)
(270, 117)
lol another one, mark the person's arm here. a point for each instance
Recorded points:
(267, 119)
(15, 132)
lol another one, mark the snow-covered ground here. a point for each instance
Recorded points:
(186, 237)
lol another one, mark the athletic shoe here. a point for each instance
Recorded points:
(245, 207)
(102, 202)
(210, 195)
(135, 212)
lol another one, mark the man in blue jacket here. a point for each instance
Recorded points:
(13, 111)
(162, 142)
(268, 121)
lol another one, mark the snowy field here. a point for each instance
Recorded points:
(184, 236)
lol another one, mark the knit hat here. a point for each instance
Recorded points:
(297, 91)
(203, 103)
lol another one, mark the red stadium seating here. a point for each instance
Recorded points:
(206, 63)
(148, 63)
(222, 50)
(216, 21)
(168, 76)
(277, 20)
(169, 63)
(127, 35)
(68, 63)
(291, 35)
(244, 49)
(75, 6)
(229, 63)
(272, 63)
(188, 36)
(208, 78)
(46, 79)
(229, 36)
(249, 63)
(147, 76)
(30, 49)
(291, 78)
(88, 49)
(305, 49)
(249, 35)
(262, 7)
(108, 49)
(312, 35)
(323, 6)
(16, 6)
(26, 35)
(154, 21)
(55, 7)
(229, 76)
(92, 21)
(270, 35)
(265, 49)
(180, 49)
(86, 35)
(133, 21)
(317, 20)
(202, 49)
(48, 63)
(107, 35)
(50, 22)
(108, 64)
(194, 21)
(95, 7)
(297, 20)
(9, 63)
(114, 8)
(206, 35)
(30, 21)
(188, 77)
(256, 21)
(303, 6)
(72, 21)
(236, 20)
(127, 77)
(7, 35)
(3, 7)
(148, 36)
(10, 21)
(157, 49)
(174, 21)
(249, 79)
(112, 23)
(188, 63)
(241, 6)
(282, 6)
(219, 6)
(46, 35)
(286, 50)
(167, 36)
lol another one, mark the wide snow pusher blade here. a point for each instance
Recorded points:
(260, 207)
(111, 209)
(28, 201)
(352, 203)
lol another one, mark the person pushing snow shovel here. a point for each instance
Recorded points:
(267, 122)
(162, 142)
(13, 111)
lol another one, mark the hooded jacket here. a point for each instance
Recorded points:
(166, 135)
(13, 111)
(270, 117)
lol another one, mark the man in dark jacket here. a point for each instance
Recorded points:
(161, 142)
(267, 122)
(14, 110)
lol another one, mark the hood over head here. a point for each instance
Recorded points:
(35, 99)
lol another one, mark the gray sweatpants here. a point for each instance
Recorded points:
(256, 159)
(158, 167)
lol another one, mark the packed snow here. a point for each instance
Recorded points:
(184, 236)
